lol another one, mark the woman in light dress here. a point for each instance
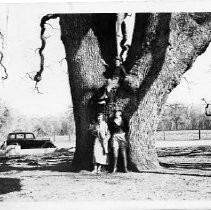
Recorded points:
(102, 135)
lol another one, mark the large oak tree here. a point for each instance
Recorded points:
(164, 47)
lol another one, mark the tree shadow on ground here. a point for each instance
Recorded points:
(57, 161)
(60, 161)
(185, 158)
(198, 166)
(8, 185)
(187, 151)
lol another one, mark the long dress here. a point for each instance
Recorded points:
(102, 136)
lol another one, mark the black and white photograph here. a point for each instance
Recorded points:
(105, 105)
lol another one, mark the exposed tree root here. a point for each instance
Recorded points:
(166, 170)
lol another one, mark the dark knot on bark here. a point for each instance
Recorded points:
(37, 77)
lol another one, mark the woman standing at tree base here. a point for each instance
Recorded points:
(102, 135)
(119, 129)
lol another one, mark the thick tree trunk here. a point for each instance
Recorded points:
(164, 47)
(86, 72)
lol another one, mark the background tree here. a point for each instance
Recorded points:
(5, 119)
(182, 117)
(195, 117)
(175, 117)
(67, 122)
(11, 120)
(164, 46)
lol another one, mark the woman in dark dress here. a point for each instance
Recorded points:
(119, 129)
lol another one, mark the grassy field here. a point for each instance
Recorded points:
(161, 137)
(64, 141)
(182, 135)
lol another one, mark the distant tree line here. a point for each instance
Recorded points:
(5, 119)
(11, 120)
(177, 116)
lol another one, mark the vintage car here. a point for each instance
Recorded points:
(27, 140)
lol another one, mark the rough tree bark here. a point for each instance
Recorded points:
(164, 46)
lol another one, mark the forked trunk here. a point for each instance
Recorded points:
(164, 47)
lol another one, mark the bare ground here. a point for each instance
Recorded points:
(185, 174)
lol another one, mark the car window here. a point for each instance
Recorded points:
(29, 136)
(12, 136)
(20, 136)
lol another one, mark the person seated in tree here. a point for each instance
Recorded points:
(119, 71)
(100, 153)
(124, 32)
(101, 99)
(119, 129)
(112, 83)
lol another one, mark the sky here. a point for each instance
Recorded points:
(20, 25)
(22, 39)
(196, 83)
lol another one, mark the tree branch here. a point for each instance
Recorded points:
(166, 36)
(37, 77)
(37, 88)
(2, 57)
(5, 70)
(52, 26)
